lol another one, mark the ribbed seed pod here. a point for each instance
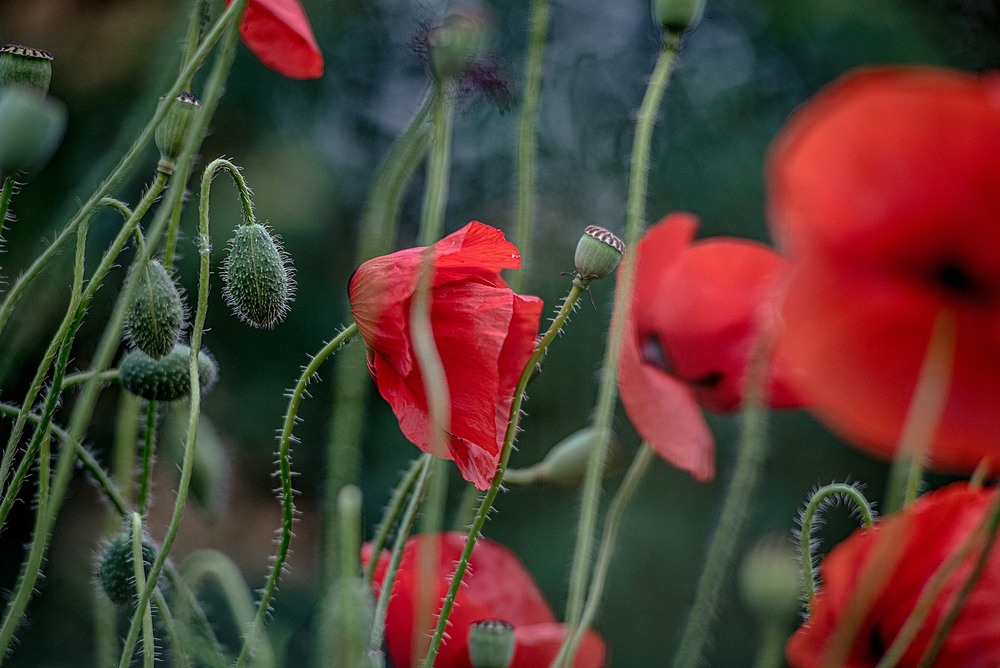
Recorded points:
(258, 276)
(25, 66)
(173, 128)
(116, 570)
(155, 317)
(165, 379)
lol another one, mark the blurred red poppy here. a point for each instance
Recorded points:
(697, 309)
(496, 586)
(279, 34)
(884, 191)
(484, 334)
(930, 530)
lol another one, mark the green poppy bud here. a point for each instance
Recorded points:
(770, 580)
(353, 612)
(597, 253)
(26, 67)
(116, 570)
(167, 378)
(258, 277)
(173, 128)
(155, 317)
(31, 129)
(677, 15)
(460, 38)
(491, 644)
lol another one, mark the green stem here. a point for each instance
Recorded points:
(608, 389)
(770, 653)
(139, 569)
(526, 139)
(148, 445)
(6, 194)
(514, 419)
(391, 514)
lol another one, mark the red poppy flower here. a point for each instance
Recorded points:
(930, 530)
(484, 333)
(697, 309)
(885, 190)
(496, 586)
(279, 34)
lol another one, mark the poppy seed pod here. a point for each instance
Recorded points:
(155, 317)
(173, 128)
(597, 253)
(258, 277)
(676, 16)
(491, 644)
(116, 570)
(25, 67)
(167, 378)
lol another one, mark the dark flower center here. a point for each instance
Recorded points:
(653, 353)
(956, 281)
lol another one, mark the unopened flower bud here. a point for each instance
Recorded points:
(677, 15)
(155, 317)
(116, 570)
(770, 580)
(598, 253)
(26, 67)
(258, 277)
(31, 128)
(173, 128)
(567, 461)
(460, 38)
(167, 378)
(353, 612)
(491, 644)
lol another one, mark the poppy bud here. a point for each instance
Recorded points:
(491, 644)
(258, 277)
(31, 128)
(457, 42)
(770, 580)
(156, 315)
(173, 128)
(597, 253)
(676, 16)
(167, 378)
(116, 570)
(353, 612)
(566, 463)
(26, 67)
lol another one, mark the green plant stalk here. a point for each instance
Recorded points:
(809, 523)
(6, 194)
(469, 504)
(526, 139)
(148, 446)
(109, 376)
(771, 651)
(616, 511)
(752, 449)
(391, 514)
(139, 569)
(514, 419)
(250, 639)
(608, 389)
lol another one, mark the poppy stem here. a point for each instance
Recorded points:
(568, 305)
(391, 514)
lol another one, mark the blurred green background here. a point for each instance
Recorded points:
(310, 151)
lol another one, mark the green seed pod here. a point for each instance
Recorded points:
(165, 379)
(678, 15)
(116, 570)
(258, 277)
(155, 317)
(491, 644)
(31, 129)
(172, 129)
(597, 253)
(26, 67)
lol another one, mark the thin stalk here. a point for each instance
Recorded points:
(391, 514)
(108, 376)
(6, 194)
(139, 569)
(148, 446)
(608, 389)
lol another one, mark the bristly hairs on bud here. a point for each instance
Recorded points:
(258, 276)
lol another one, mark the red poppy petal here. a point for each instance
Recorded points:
(657, 249)
(279, 34)
(519, 345)
(538, 645)
(474, 250)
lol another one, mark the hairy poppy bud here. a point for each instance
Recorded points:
(770, 580)
(258, 277)
(31, 128)
(116, 570)
(456, 43)
(26, 67)
(173, 128)
(491, 644)
(167, 378)
(155, 317)
(677, 15)
(597, 253)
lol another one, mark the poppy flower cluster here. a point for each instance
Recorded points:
(279, 34)
(697, 310)
(483, 331)
(929, 531)
(884, 191)
(496, 587)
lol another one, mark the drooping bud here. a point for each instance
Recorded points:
(770, 580)
(167, 378)
(566, 462)
(461, 37)
(31, 128)
(116, 570)
(25, 67)
(597, 253)
(491, 644)
(173, 128)
(258, 277)
(155, 317)
(676, 16)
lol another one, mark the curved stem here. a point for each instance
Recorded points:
(391, 514)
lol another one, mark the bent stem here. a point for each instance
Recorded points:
(568, 305)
